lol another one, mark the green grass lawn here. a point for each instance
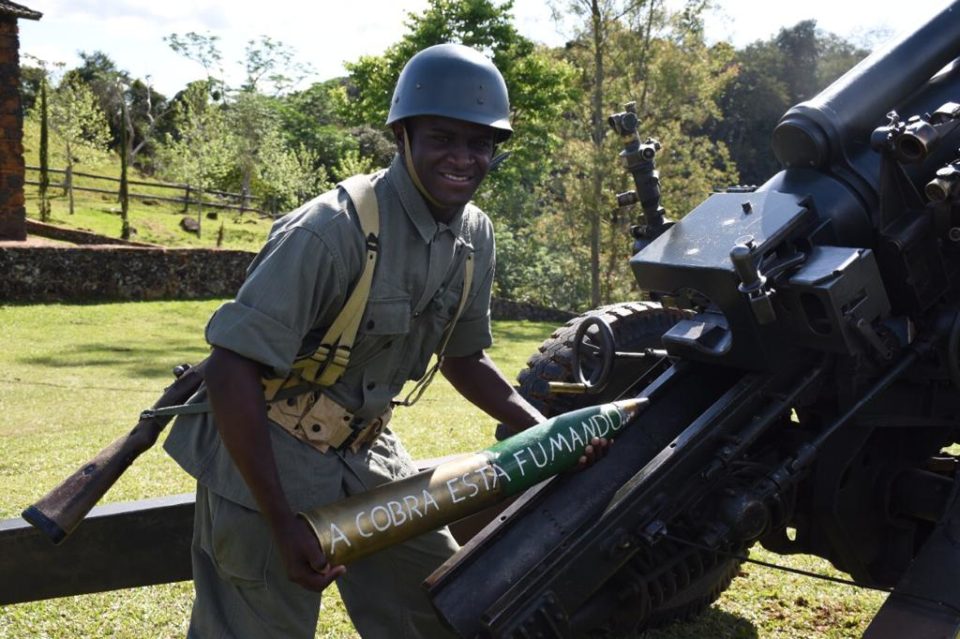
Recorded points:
(156, 223)
(74, 377)
(153, 221)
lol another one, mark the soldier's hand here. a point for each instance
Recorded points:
(302, 556)
(597, 448)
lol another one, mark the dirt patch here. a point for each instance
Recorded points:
(34, 241)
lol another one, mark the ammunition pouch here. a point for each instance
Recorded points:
(319, 421)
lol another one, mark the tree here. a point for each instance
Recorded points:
(44, 152)
(636, 51)
(290, 177)
(253, 120)
(141, 112)
(30, 79)
(773, 75)
(101, 75)
(271, 62)
(143, 116)
(204, 50)
(311, 118)
(124, 191)
(256, 145)
(542, 90)
(75, 116)
(200, 154)
(601, 17)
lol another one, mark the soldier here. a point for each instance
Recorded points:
(257, 568)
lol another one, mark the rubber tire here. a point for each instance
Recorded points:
(636, 326)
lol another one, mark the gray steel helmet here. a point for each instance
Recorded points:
(453, 81)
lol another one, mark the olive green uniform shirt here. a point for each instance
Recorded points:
(297, 285)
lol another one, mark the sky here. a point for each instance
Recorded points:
(325, 34)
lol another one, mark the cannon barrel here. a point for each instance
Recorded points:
(824, 143)
(814, 133)
(811, 299)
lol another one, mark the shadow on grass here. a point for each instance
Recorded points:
(713, 623)
(143, 360)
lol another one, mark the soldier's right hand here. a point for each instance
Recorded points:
(302, 556)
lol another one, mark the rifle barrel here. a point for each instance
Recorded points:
(62, 509)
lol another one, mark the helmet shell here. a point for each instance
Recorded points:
(453, 81)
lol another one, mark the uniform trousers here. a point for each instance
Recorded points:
(242, 591)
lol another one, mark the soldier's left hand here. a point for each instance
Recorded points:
(597, 448)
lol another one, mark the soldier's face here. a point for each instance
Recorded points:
(451, 157)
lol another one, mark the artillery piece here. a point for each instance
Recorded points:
(801, 364)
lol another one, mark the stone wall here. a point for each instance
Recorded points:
(122, 273)
(12, 213)
(107, 273)
(510, 310)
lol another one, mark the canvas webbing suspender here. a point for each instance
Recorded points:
(325, 365)
(320, 368)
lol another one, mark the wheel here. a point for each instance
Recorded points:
(594, 348)
(636, 327)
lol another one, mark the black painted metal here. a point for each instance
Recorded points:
(816, 132)
(118, 546)
(475, 580)
(933, 577)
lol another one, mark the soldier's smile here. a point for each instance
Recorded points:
(451, 158)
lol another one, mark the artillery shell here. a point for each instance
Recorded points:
(392, 513)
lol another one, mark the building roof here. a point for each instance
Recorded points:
(8, 8)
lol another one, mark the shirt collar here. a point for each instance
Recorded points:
(416, 207)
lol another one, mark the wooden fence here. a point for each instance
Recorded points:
(246, 203)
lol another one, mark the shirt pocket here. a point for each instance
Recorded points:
(450, 302)
(383, 331)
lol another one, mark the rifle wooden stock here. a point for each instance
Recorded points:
(61, 510)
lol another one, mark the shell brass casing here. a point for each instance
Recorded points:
(392, 513)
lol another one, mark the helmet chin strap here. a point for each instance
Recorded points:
(408, 161)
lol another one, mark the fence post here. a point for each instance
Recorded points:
(124, 192)
(44, 162)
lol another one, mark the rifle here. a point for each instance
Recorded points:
(62, 509)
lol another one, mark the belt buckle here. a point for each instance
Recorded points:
(369, 433)
(355, 431)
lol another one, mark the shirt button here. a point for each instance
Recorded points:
(371, 386)
(316, 428)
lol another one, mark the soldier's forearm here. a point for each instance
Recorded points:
(478, 379)
(236, 395)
